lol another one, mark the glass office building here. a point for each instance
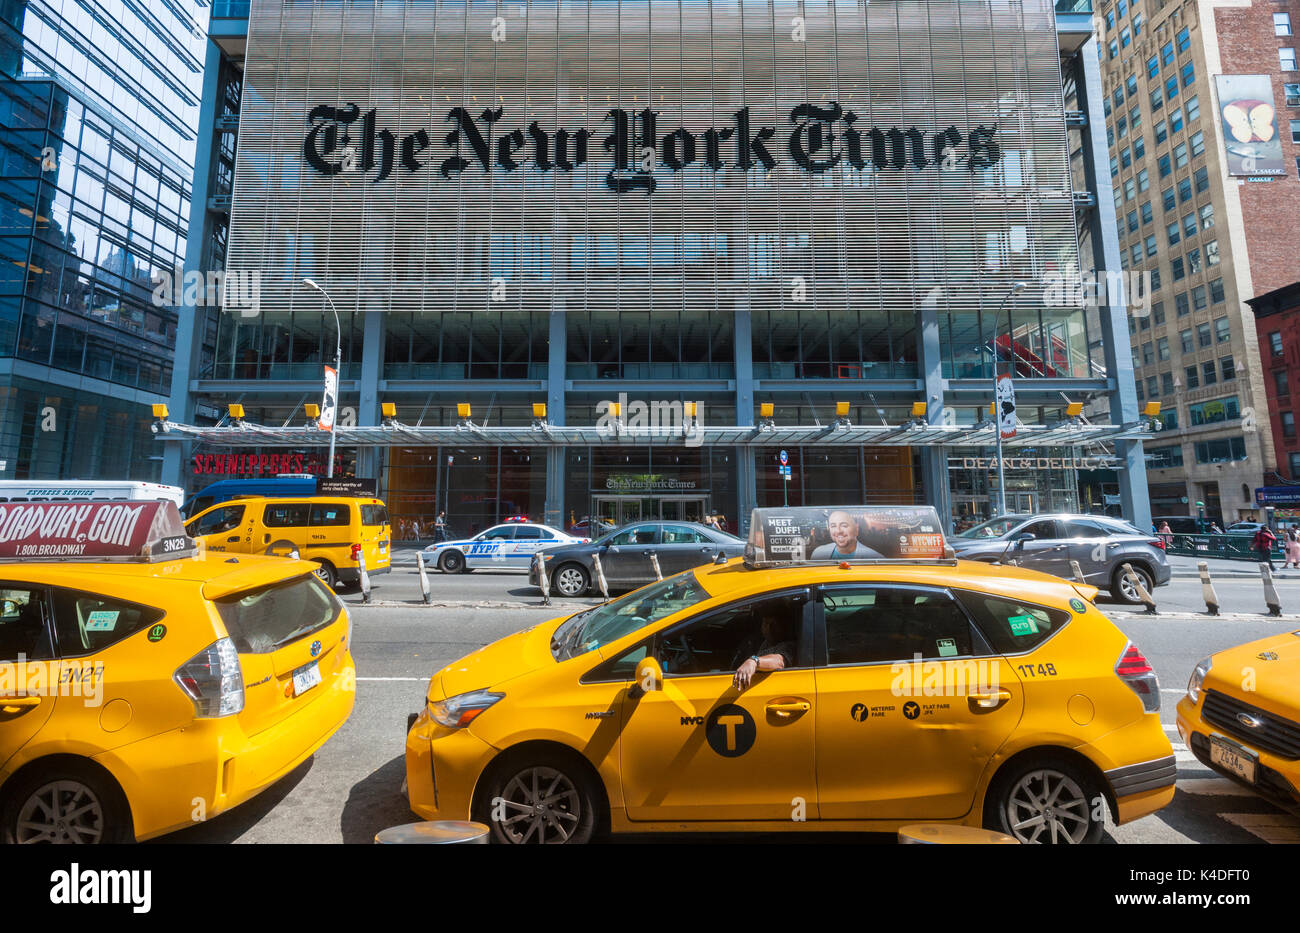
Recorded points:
(98, 107)
(649, 208)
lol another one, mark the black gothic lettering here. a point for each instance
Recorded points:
(413, 145)
(507, 146)
(329, 119)
(541, 143)
(368, 147)
(899, 144)
(944, 140)
(983, 150)
(467, 130)
(713, 158)
(812, 134)
(747, 145)
(624, 176)
(853, 139)
(671, 158)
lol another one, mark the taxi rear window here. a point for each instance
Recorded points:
(261, 620)
(331, 514)
(1012, 627)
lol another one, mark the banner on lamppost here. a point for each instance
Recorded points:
(1006, 406)
(330, 402)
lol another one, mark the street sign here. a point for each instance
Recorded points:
(785, 458)
(1006, 406)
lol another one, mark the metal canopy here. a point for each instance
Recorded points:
(840, 434)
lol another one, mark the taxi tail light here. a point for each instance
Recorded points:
(213, 681)
(1135, 670)
(356, 552)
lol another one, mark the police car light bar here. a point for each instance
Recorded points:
(855, 534)
(94, 531)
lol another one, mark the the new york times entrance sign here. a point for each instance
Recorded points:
(820, 138)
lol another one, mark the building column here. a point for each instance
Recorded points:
(370, 459)
(557, 358)
(934, 460)
(189, 336)
(746, 474)
(1103, 225)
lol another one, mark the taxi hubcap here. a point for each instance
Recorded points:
(1047, 806)
(569, 582)
(540, 805)
(63, 811)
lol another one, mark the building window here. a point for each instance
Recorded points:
(1155, 278)
(1228, 368)
(1167, 199)
(1137, 384)
(1165, 167)
(1198, 143)
(1121, 127)
(1292, 94)
(1114, 166)
(1207, 216)
(1184, 190)
(1193, 378)
(1161, 132)
(1222, 451)
(1118, 97)
(1281, 24)
(1175, 119)
(1148, 354)
(1193, 107)
(1216, 291)
(1146, 212)
(1189, 225)
(1151, 245)
(1202, 177)
(1193, 261)
(1153, 387)
(1295, 465)
(1174, 235)
(1131, 85)
(1136, 253)
(1110, 20)
(1288, 424)
(1140, 147)
(1171, 89)
(1295, 131)
(1210, 376)
(1222, 330)
(1144, 180)
(1188, 341)
(1114, 49)
(1275, 343)
(1122, 7)
(1280, 383)
(1212, 253)
(1137, 24)
(1153, 66)
(1189, 73)
(1180, 155)
(1286, 58)
(1184, 39)
(1198, 302)
(1132, 221)
(1180, 302)
(1203, 337)
(1162, 349)
(1135, 116)
(1119, 199)
(1176, 268)
(1125, 158)
(1125, 38)
(1129, 192)
(1213, 412)
(1157, 100)
(1162, 458)
(1166, 53)
(1158, 313)
(1167, 383)
(1144, 323)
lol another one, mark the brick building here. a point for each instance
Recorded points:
(1277, 318)
(1209, 203)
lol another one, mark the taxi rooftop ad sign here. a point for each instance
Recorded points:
(845, 533)
(96, 531)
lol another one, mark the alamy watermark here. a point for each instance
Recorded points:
(1071, 288)
(642, 419)
(238, 292)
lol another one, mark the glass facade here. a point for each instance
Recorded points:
(657, 202)
(98, 106)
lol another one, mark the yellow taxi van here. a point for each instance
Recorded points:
(333, 532)
(144, 688)
(795, 689)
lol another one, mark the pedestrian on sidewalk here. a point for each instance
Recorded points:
(1263, 541)
(1292, 548)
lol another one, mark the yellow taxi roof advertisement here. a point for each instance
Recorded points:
(811, 534)
(99, 530)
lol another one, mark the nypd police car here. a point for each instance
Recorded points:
(508, 546)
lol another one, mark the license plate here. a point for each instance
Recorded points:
(1234, 758)
(306, 677)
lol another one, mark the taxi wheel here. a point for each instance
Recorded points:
(1122, 589)
(325, 570)
(66, 803)
(541, 800)
(570, 580)
(1044, 800)
(452, 562)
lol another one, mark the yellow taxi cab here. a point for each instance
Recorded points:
(332, 531)
(144, 688)
(794, 690)
(1241, 716)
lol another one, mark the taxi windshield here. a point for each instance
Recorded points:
(994, 528)
(603, 624)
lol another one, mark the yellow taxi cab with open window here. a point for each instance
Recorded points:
(846, 674)
(144, 688)
(334, 532)
(1241, 716)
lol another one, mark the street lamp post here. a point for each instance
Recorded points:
(1016, 289)
(338, 370)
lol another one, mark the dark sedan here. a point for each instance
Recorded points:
(625, 556)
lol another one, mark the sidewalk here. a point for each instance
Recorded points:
(1182, 566)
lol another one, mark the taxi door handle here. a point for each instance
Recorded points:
(266, 539)
(12, 705)
(787, 708)
(233, 539)
(986, 702)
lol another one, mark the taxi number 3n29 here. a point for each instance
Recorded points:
(1042, 670)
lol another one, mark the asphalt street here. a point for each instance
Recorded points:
(351, 788)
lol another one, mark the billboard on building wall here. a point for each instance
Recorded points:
(1249, 116)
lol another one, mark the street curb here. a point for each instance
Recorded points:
(560, 609)
(1290, 618)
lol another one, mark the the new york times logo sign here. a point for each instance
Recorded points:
(821, 139)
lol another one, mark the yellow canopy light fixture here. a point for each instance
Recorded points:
(919, 409)
(539, 409)
(312, 410)
(389, 409)
(235, 410)
(462, 409)
(766, 410)
(160, 411)
(1074, 409)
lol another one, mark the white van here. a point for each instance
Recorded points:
(22, 490)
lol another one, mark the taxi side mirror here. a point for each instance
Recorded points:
(649, 678)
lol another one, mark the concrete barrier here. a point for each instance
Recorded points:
(1207, 589)
(1270, 591)
(1078, 572)
(543, 580)
(654, 562)
(424, 578)
(1136, 582)
(600, 576)
(365, 577)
